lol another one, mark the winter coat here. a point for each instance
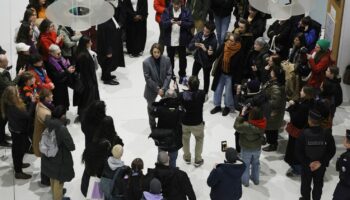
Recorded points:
(276, 104)
(201, 56)
(198, 8)
(299, 113)
(160, 6)
(135, 185)
(258, 25)
(18, 120)
(185, 27)
(41, 112)
(192, 101)
(338, 92)
(5, 80)
(281, 33)
(225, 181)
(235, 67)
(45, 41)
(259, 59)
(109, 171)
(250, 134)
(69, 41)
(318, 69)
(175, 183)
(40, 84)
(222, 8)
(59, 167)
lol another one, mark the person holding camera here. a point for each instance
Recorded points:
(251, 124)
(225, 178)
(177, 23)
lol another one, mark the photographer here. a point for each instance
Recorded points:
(167, 135)
(251, 124)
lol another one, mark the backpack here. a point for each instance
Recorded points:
(109, 188)
(316, 144)
(48, 143)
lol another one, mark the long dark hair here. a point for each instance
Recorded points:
(27, 15)
(44, 26)
(95, 113)
(24, 33)
(84, 40)
(301, 38)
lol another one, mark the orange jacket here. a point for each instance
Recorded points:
(38, 82)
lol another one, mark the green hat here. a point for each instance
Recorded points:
(324, 44)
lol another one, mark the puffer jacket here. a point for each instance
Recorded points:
(251, 132)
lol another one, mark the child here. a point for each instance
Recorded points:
(155, 191)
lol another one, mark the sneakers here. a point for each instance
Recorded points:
(199, 163)
(225, 111)
(215, 110)
(25, 165)
(22, 175)
(187, 161)
(271, 147)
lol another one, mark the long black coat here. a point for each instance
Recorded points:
(282, 32)
(109, 39)
(136, 31)
(59, 167)
(85, 66)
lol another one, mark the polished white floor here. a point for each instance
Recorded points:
(128, 108)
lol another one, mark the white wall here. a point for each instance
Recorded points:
(344, 48)
(319, 11)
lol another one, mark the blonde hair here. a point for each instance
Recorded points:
(10, 97)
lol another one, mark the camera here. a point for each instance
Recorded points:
(223, 146)
(176, 19)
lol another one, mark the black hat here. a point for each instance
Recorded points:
(253, 86)
(155, 186)
(231, 155)
(347, 134)
(2, 51)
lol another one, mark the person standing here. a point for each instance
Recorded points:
(251, 124)
(229, 58)
(204, 45)
(177, 22)
(343, 167)
(199, 10)
(48, 36)
(225, 178)
(192, 121)
(160, 6)
(157, 73)
(110, 45)
(136, 26)
(222, 15)
(314, 149)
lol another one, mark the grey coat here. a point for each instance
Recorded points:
(59, 167)
(155, 81)
(68, 42)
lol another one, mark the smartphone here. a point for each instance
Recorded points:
(223, 146)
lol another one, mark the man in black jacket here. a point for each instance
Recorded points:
(175, 183)
(314, 148)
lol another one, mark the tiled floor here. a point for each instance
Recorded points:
(128, 108)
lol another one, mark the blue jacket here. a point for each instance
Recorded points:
(201, 56)
(186, 25)
(225, 181)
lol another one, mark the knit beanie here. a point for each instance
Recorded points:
(117, 151)
(155, 186)
(231, 155)
(324, 44)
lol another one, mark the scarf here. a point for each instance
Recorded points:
(40, 71)
(49, 105)
(230, 50)
(59, 63)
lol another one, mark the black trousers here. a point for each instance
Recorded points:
(107, 68)
(181, 50)
(2, 129)
(341, 192)
(272, 136)
(206, 74)
(161, 35)
(238, 146)
(151, 117)
(18, 149)
(307, 176)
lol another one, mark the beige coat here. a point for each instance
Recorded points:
(41, 112)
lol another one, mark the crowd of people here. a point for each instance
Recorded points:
(262, 79)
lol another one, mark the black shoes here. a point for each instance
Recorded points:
(187, 161)
(215, 110)
(111, 82)
(271, 147)
(5, 144)
(25, 165)
(199, 163)
(22, 175)
(225, 111)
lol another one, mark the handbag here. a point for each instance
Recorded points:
(215, 65)
(292, 130)
(346, 77)
(94, 192)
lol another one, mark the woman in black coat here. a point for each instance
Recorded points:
(257, 22)
(135, 184)
(85, 68)
(298, 111)
(59, 70)
(136, 26)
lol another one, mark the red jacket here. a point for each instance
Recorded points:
(45, 40)
(318, 69)
(39, 84)
(160, 5)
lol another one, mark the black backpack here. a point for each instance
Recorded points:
(315, 143)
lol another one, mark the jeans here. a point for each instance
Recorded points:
(198, 133)
(206, 74)
(251, 157)
(181, 50)
(222, 24)
(225, 81)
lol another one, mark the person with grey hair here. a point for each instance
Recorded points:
(168, 132)
(170, 177)
(257, 60)
(60, 71)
